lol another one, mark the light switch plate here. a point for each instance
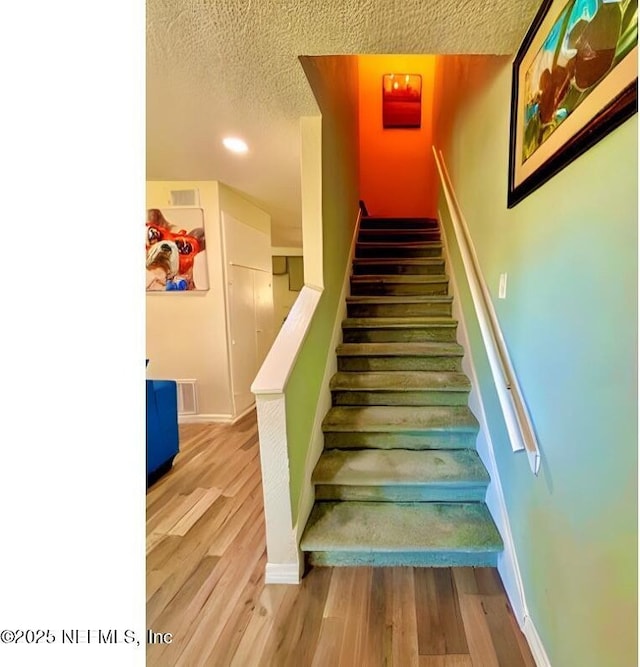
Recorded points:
(502, 287)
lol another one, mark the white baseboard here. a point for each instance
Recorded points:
(535, 643)
(282, 573)
(204, 418)
(244, 413)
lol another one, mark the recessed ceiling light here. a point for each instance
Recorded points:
(235, 145)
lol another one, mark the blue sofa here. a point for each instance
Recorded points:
(162, 427)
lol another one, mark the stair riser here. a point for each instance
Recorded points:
(402, 559)
(417, 335)
(359, 288)
(417, 398)
(363, 364)
(434, 440)
(384, 252)
(430, 269)
(399, 310)
(386, 236)
(389, 223)
(404, 493)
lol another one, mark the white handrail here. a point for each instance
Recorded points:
(514, 409)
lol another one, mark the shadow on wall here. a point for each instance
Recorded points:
(457, 78)
(288, 279)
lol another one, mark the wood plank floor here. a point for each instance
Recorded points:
(205, 584)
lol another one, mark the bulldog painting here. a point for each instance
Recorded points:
(175, 258)
(163, 262)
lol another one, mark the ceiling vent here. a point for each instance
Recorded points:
(185, 197)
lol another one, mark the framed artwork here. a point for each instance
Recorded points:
(575, 79)
(176, 258)
(401, 100)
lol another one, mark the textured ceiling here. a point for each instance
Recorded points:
(218, 67)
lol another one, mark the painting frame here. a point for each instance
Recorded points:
(602, 107)
(401, 101)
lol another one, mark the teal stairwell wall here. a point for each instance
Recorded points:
(570, 324)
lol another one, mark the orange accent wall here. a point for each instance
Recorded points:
(397, 171)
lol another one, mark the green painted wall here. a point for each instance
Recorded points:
(570, 324)
(334, 80)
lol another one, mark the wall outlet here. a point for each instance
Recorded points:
(502, 286)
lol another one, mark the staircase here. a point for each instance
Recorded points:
(399, 481)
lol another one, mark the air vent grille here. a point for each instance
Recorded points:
(185, 197)
(187, 397)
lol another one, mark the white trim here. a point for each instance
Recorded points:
(535, 643)
(307, 492)
(205, 418)
(277, 251)
(253, 268)
(282, 573)
(244, 413)
(282, 545)
(514, 409)
(225, 296)
(275, 371)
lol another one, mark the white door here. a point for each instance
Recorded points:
(263, 299)
(242, 325)
(247, 253)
